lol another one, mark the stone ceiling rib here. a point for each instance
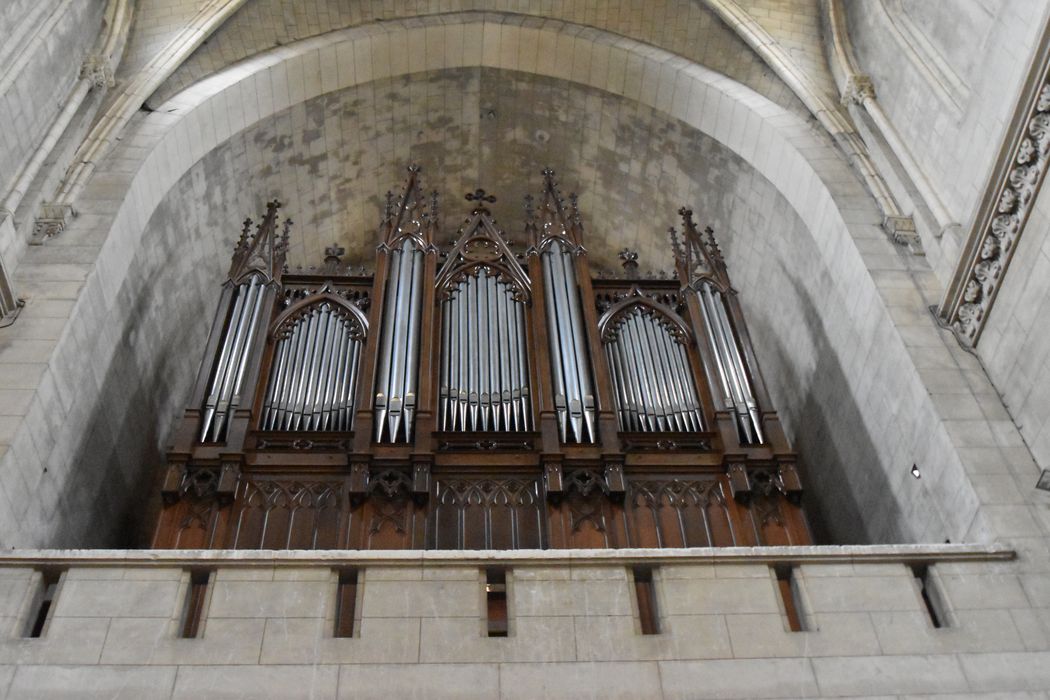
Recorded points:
(130, 97)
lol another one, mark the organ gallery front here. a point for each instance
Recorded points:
(478, 396)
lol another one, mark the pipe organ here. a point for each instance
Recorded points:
(471, 395)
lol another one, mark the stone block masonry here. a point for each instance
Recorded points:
(267, 628)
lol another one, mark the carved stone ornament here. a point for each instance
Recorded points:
(858, 88)
(1002, 223)
(51, 222)
(97, 69)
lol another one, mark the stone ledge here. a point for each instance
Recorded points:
(867, 554)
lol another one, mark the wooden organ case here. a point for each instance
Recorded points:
(478, 398)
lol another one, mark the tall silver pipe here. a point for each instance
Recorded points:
(313, 371)
(627, 372)
(736, 381)
(462, 350)
(249, 313)
(219, 372)
(736, 396)
(323, 403)
(723, 380)
(296, 371)
(643, 382)
(305, 358)
(342, 379)
(622, 386)
(493, 348)
(661, 384)
(573, 390)
(280, 401)
(508, 356)
(386, 345)
(523, 366)
(677, 383)
(582, 358)
(411, 376)
(617, 379)
(403, 301)
(278, 377)
(483, 357)
(687, 388)
(661, 339)
(741, 367)
(561, 405)
(337, 364)
(443, 370)
(349, 398)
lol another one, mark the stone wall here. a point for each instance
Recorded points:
(268, 626)
(45, 44)
(1015, 344)
(949, 99)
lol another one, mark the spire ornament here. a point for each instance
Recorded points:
(697, 255)
(264, 251)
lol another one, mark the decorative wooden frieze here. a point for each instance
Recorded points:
(1005, 209)
(657, 442)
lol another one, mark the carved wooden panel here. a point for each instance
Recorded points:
(288, 514)
(678, 513)
(498, 513)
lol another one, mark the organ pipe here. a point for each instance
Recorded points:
(483, 373)
(314, 371)
(702, 271)
(224, 390)
(653, 387)
(398, 359)
(739, 396)
(573, 390)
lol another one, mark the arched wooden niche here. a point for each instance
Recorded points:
(313, 375)
(645, 345)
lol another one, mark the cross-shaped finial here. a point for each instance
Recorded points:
(479, 195)
(334, 252)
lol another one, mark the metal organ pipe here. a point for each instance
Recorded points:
(482, 354)
(652, 385)
(573, 391)
(314, 372)
(398, 363)
(731, 367)
(225, 386)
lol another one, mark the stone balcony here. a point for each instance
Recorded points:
(267, 624)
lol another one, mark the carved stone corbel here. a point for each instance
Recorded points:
(857, 89)
(97, 70)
